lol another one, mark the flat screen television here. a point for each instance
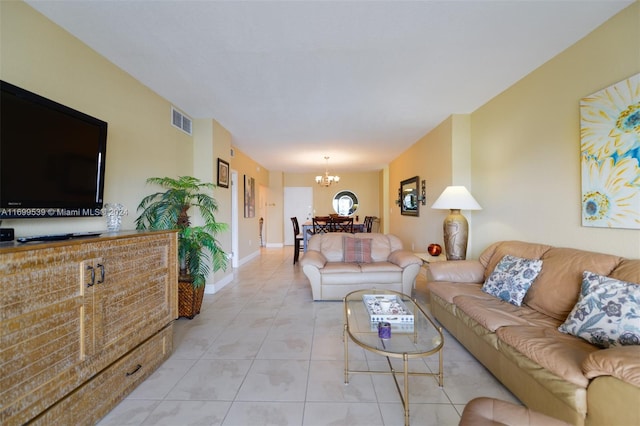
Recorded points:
(52, 158)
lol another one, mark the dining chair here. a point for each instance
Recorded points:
(342, 224)
(375, 225)
(321, 224)
(297, 239)
(368, 223)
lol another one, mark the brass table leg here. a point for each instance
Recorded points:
(405, 361)
(440, 370)
(346, 354)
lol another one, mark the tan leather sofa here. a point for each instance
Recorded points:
(493, 412)
(554, 373)
(391, 267)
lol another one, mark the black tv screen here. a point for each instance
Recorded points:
(52, 158)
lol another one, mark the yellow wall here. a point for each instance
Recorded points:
(526, 146)
(212, 141)
(249, 228)
(430, 159)
(39, 56)
(366, 186)
(519, 154)
(221, 149)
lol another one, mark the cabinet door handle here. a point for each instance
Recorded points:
(135, 370)
(101, 267)
(93, 276)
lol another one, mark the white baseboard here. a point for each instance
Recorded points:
(248, 258)
(218, 285)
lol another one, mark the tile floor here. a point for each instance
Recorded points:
(262, 352)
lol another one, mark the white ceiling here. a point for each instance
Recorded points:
(357, 81)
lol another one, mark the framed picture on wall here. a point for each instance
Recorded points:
(223, 173)
(610, 155)
(408, 197)
(249, 196)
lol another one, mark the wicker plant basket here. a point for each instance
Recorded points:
(189, 299)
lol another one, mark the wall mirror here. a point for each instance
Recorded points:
(408, 197)
(345, 203)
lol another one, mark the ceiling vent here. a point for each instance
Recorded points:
(181, 121)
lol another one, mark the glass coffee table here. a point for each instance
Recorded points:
(413, 334)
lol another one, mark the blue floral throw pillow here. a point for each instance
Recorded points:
(607, 312)
(511, 278)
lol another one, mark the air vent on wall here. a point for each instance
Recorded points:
(181, 121)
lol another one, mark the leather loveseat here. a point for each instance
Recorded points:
(553, 372)
(337, 263)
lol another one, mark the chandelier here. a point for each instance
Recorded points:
(327, 179)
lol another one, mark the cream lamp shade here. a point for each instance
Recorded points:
(455, 227)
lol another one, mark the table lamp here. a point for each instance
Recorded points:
(455, 226)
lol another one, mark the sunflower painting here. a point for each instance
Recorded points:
(610, 156)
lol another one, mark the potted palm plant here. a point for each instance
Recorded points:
(197, 245)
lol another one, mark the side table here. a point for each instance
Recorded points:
(427, 259)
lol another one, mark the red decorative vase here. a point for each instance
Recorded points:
(434, 249)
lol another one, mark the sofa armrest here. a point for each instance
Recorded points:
(621, 362)
(611, 401)
(461, 271)
(404, 258)
(313, 258)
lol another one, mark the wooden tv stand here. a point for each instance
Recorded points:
(82, 323)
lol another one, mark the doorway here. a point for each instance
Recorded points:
(298, 202)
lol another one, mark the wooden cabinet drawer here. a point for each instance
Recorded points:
(71, 309)
(92, 401)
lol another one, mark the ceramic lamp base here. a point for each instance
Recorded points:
(456, 234)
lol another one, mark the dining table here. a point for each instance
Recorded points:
(307, 231)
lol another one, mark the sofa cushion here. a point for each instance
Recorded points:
(340, 267)
(556, 289)
(448, 290)
(607, 312)
(494, 313)
(514, 248)
(357, 250)
(487, 254)
(331, 245)
(511, 278)
(394, 243)
(380, 267)
(381, 245)
(627, 270)
(487, 336)
(559, 353)
(620, 362)
(371, 278)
